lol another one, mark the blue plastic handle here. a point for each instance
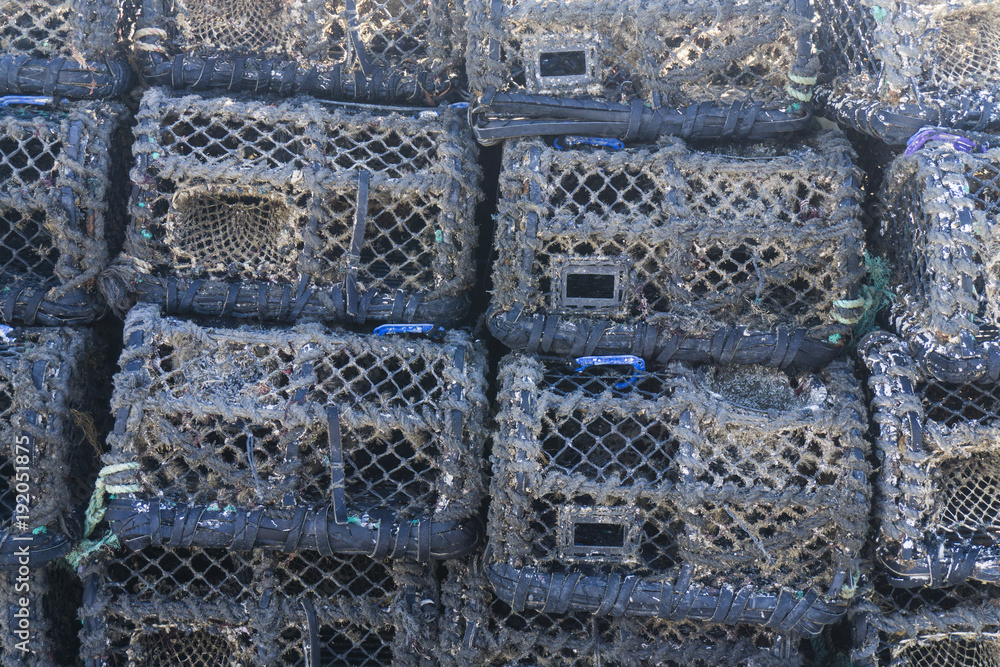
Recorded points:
(614, 360)
(960, 143)
(459, 105)
(386, 329)
(36, 100)
(572, 141)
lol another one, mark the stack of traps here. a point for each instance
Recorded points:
(301, 211)
(732, 255)
(38, 623)
(939, 627)
(47, 377)
(730, 495)
(188, 607)
(897, 66)
(939, 507)
(640, 69)
(59, 218)
(63, 48)
(479, 629)
(940, 219)
(296, 439)
(401, 52)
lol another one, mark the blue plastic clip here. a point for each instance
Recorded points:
(36, 100)
(573, 141)
(958, 142)
(459, 105)
(615, 360)
(386, 329)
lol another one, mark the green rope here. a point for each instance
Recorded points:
(87, 548)
(873, 297)
(97, 507)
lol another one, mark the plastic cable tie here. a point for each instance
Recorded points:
(387, 329)
(614, 360)
(960, 143)
(573, 141)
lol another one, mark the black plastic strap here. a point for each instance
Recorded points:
(353, 28)
(424, 540)
(383, 539)
(156, 537)
(230, 304)
(52, 76)
(236, 78)
(262, 301)
(295, 529)
(336, 465)
(357, 238)
(189, 294)
(323, 545)
(34, 303)
(247, 527)
(402, 537)
(312, 647)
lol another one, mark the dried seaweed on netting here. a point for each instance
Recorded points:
(47, 378)
(938, 507)
(355, 213)
(39, 622)
(400, 52)
(214, 605)
(893, 67)
(921, 627)
(688, 480)
(478, 628)
(242, 419)
(939, 207)
(763, 237)
(655, 51)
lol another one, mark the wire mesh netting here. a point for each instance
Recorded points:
(660, 52)
(46, 425)
(300, 211)
(939, 209)
(59, 223)
(939, 497)
(480, 629)
(731, 495)
(657, 251)
(297, 439)
(39, 622)
(378, 51)
(66, 48)
(922, 627)
(217, 607)
(897, 66)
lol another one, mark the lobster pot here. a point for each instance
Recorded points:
(46, 381)
(712, 494)
(401, 52)
(737, 255)
(939, 493)
(64, 49)
(211, 606)
(59, 221)
(296, 439)
(939, 217)
(300, 211)
(480, 629)
(893, 67)
(703, 69)
(38, 620)
(921, 627)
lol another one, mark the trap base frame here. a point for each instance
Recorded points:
(935, 443)
(321, 440)
(300, 211)
(672, 288)
(656, 496)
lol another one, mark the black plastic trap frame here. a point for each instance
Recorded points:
(890, 68)
(640, 69)
(372, 51)
(730, 495)
(296, 439)
(301, 211)
(186, 607)
(733, 255)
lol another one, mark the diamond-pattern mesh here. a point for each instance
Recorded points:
(664, 234)
(745, 473)
(966, 51)
(273, 441)
(214, 606)
(49, 28)
(49, 598)
(26, 248)
(269, 194)
(680, 55)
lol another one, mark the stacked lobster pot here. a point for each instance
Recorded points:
(357, 457)
(892, 67)
(680, 468)
(936, 406)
